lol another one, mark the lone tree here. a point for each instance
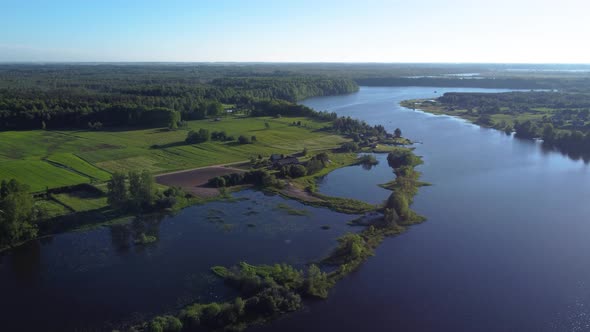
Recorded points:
(141, 189)
(117, 191)
(397, 132)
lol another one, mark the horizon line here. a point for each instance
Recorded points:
(40, 62)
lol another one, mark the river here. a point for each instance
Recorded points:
(505, 247)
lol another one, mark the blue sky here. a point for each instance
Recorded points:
(540, 31)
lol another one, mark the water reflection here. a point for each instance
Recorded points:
(25, 263)
(120, 238)
(574, 155)
(126, 236)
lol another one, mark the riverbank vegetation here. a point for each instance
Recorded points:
(268, 291)
(561, 120)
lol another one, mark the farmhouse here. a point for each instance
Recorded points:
(275, 157)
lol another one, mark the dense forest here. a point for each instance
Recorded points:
(96, 97)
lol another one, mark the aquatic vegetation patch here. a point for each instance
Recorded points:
(292, 211)
(143, 239)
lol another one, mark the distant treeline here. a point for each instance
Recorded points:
(101, 97)
(491, 83)
(517, 100)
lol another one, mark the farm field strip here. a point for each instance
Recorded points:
(92, 155)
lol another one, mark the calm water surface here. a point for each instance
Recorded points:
(89, 281)
(506, 245)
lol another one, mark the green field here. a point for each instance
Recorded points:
(52, 208)
(534, 114)
(52, 159)
(73, 163)
(80, 201)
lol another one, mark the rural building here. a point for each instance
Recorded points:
(275, 157)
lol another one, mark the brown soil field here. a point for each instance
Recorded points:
(195, 180)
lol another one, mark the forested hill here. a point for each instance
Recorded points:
(81, 96)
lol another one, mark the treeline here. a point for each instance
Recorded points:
(479, 82)
(573, 142)
(516, 101)
(101, 96)
(290, 89)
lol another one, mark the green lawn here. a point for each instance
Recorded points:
(34, 157)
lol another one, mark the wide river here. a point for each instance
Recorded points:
(507, 242)
(505, 247)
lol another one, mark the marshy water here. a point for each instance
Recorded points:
(92, 280)
(505, 247)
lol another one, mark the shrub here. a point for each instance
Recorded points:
(165, 324)
(218, 182)
(195, 137)
(317, 283)
(297, 171)
(243, 140)
(349, 147)
(403, 157)
(399, 203)
(219, 136)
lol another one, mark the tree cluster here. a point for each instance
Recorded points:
(18, 214)
(136, 194)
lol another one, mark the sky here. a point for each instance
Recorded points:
(515, 31)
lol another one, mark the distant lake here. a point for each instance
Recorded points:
(507, 242)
